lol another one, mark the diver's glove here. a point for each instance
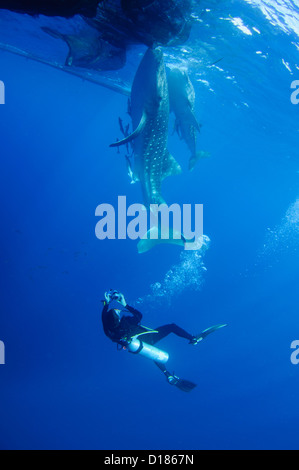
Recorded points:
(115, 295)
(109, 295)
(120, 299)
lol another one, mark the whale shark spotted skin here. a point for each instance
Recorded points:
(150, 118)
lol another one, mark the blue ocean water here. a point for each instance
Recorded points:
(64, 384)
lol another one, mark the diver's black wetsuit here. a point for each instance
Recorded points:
(127, 326)
(130, 326)
(124, 328)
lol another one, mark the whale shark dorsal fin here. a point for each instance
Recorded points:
(171, 166)
(135, 134)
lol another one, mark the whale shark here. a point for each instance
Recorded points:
(150, 116)
(149, 109)
(182, 104)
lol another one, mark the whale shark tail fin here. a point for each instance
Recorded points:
(154, 238)
(195, 158)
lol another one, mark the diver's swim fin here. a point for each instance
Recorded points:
(183, 385)
(197, 339)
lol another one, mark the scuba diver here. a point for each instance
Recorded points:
(128, 333)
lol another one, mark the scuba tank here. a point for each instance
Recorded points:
(137, 346)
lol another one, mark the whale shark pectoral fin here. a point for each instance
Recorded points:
(171, 166)
(195, 122)
(135, 134)
(178, 128)
(153, 238)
